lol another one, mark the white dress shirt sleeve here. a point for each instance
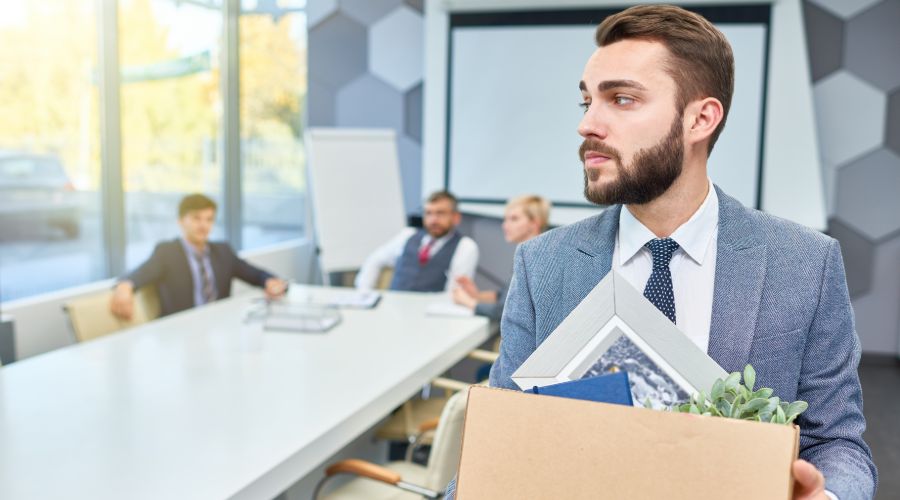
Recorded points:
(384, 256)
(831, 495)
(463, 263)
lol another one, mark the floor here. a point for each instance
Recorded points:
(880, 379)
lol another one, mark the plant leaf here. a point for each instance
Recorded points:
(718, 389)
(754, 406)
(795, 409)
(731, 383)
(763, 392)
(749, 377)
(779, 415)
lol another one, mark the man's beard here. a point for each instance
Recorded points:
(651, 173)
(438, 232)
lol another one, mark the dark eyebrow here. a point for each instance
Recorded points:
(617, 84)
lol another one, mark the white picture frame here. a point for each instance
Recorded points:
(615, 327)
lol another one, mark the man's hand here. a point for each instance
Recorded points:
(122, 302)
(275, 288)
(809, 483)
(461, 297)
(467, 285)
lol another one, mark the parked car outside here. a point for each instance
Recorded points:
(36, 197)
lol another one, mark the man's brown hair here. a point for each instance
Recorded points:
(701, 61)
(193, 202)
(443, 195)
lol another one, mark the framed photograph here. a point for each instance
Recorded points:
(616, 328)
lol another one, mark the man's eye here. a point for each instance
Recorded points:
(584, 106)
(623, 100)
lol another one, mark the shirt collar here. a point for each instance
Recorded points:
(693, 236)
(193, 251)
(439, 241)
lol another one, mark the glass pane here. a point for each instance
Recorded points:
(50, 230)
(273, 93)
(171, 115)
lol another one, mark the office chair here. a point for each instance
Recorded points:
(90, 317)
(404, 480)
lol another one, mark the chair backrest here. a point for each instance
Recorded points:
(384, 278)
(446, 447)
(90, 317)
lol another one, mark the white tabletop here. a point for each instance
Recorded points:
(199, 406)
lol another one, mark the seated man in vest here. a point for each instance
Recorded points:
(424, 259)
(191, 270)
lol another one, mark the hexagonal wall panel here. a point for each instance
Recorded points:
(824, 39)
(850, 116)
(396, 45)
(419, 5)
(368, 11)
(892, 132)
(867, 194)
(829, 179)
(340, 50)
(320, 105)
(872, 45)
(318, 10)
(858, 253)
(412, 107)
(845, 9)
(369, 102)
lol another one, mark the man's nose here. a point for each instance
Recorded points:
(593, 124)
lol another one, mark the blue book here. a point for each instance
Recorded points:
(611, 388)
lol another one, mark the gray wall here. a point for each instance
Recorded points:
(365, 70)
(853, 48)
(362, 73)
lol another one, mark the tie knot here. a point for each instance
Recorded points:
(662, 250)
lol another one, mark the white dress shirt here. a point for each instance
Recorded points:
(693, 265)
(463, 262)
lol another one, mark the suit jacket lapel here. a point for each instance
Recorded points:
(592, 258)
(740, 274)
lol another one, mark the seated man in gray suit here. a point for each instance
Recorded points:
(423, 259)
(191, 270)
(746, 287)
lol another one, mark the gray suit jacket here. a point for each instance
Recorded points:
(780, 303)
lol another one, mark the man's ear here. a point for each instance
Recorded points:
(457, 218)
(701, 119)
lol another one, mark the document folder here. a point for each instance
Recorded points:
(612, 388)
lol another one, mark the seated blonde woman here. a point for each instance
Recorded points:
(525, 217)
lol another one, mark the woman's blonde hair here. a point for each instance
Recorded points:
(536, 208)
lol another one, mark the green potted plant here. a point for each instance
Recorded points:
(732, 398)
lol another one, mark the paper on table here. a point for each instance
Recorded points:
(356, 299)
(447, 309)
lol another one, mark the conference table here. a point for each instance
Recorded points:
(206, 405)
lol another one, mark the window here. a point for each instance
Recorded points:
(171, 116)
(50, 231)
(170, 139)
(273, 92)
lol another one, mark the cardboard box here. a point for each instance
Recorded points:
(524, 446)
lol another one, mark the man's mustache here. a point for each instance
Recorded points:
(598, 147)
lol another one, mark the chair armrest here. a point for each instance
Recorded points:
(449, 384)
(429, 425)
(363, 468)
(483, 355)
(376, 472)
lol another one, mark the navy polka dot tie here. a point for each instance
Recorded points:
(659, 286)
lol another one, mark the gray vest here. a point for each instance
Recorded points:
(432, 277)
